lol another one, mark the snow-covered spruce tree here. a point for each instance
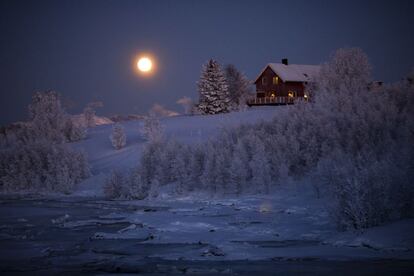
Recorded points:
(239, 87)
(152, 129)
(213, 90)
(118, 136)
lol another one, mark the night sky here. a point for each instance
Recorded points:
(86, 49)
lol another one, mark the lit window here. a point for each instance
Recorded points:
(276, 80)
(264, 81)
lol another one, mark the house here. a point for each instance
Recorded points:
(282, 83)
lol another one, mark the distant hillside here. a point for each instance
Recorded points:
(99, 120)
(125, 118)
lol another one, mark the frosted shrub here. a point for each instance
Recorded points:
(73, 132)
(152, 129)
(367, 191)
(138, 188)
(115, 185)
(196, 167)
(118, 136)
(127, 186)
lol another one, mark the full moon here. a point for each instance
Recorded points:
(144, 64)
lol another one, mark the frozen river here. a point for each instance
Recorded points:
(92, 236)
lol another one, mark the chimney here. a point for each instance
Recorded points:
(285, 61)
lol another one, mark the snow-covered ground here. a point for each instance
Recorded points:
(287, 230)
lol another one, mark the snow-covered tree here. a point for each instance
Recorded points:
(197, 159)
(180, 168)
(73, 131)
(36, 158)
(347, 72)
(48, 118)
(89, 113)
(41, 166)
(239, 168)
(138, 188)
(209, 177)
(118, 136)
(115, 185)
(260, 167)
(213, 89)
(239, 87)
(152, 129)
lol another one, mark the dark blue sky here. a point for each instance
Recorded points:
(85, 49)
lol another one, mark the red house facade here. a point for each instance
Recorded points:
(281, 83)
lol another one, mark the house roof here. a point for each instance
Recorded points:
(293, 72)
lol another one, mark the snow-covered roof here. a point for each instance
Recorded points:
(293, 72)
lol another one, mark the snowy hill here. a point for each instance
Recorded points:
(189, 129)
